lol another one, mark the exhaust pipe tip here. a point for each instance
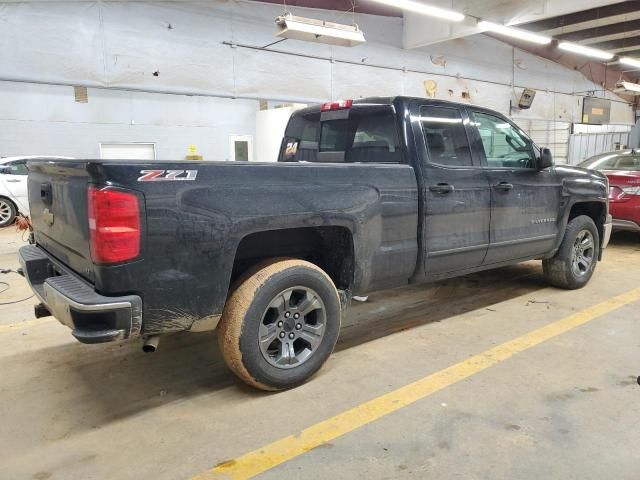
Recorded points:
(41, 310)
(151, 344)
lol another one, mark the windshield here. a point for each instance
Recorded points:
(613, 161)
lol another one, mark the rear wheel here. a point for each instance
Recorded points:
(8, 212)
(280, 324)
(573, 265)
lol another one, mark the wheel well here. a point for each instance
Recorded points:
(3, 197)
(595, 210)
(330, 248)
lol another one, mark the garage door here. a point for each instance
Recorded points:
(128, 151)
(589, 140)
(553, 135)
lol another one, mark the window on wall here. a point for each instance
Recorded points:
(445, 136)
(504, 145)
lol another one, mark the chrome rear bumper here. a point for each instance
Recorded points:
(93, 318)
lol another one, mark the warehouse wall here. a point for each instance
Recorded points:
(45, 119)
(184, 48)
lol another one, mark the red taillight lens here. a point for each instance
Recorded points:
(337, 105)
(114, 224)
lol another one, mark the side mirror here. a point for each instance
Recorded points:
(546, 159)
(5, 170)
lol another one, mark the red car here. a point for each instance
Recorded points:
(623, 170)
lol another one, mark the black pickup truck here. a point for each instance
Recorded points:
(366, 195)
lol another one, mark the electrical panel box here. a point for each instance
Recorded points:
(526, 99)
(596, 111)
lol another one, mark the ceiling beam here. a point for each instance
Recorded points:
(620, 44)
(340, 6)
(604, 32)
(632, 53)
(583, 16)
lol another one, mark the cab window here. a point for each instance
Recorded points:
(505, 146)
(445, 136)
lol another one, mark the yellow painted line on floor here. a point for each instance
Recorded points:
(285, 449)
(27, 323)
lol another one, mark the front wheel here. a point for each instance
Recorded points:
(573, 265)
(280, 324)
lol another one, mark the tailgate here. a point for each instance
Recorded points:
(58, 204)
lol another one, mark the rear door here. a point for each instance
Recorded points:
(455, 188)
(15, 182)
(525, 200)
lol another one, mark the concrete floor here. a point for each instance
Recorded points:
(567, 408)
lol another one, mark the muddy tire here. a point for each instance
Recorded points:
(573, 265)
(8, 212)
(280, 324)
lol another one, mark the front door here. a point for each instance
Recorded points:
(525, 200)
(456, 209)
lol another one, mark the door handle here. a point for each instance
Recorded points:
(441, 188)
(13, 180)
(503, 186)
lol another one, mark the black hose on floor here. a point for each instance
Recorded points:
(7, 287)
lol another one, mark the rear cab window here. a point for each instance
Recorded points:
(361, 134)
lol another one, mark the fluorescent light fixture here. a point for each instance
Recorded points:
(423, 9)
(627, 88)
(632, 62)
(587, 51)
(312, 30)
(514, 32)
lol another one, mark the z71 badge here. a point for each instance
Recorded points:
(167, 175)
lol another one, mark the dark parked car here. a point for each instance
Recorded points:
(367, 195)
(622, 168)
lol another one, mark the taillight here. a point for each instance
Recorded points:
(114, 224)
(337, 105)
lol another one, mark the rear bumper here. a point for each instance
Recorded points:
(607, 228)
(93, 318)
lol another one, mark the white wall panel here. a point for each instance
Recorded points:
(53, 42)
(477, 57)
(54, 124)
(139, 42)
(448, 88)
(276, 75)
(354, 81)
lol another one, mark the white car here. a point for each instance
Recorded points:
(13, 188)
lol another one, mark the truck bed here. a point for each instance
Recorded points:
(195, 216)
